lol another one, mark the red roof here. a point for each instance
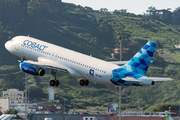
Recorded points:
(49, 108)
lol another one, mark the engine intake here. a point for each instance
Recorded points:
(27, 68)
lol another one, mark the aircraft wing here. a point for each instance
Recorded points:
(118, 62)
(51, 65)
(160, 79)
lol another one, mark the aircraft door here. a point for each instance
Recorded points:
(54, 56)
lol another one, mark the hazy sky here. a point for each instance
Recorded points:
(132, 6)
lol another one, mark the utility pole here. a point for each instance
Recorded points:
(64, 105)
(25, 96)
(120, 41)
(141, 105)
(126, 102)
(74, 99)
(179, 105)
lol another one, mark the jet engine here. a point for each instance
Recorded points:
(27, 68)
(147, 82)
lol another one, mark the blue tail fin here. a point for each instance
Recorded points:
(141, 60)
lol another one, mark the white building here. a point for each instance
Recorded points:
(15, 96)
(30, 107)
(4, 105)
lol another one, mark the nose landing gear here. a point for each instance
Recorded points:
(84, 82)
(54, 82)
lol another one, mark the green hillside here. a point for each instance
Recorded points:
(92, 32)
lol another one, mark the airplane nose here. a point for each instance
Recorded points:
(7, 45)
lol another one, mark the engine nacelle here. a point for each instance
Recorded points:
(147, 82)
(27, 68)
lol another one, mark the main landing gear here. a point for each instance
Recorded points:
(54, 82)
(84, 82)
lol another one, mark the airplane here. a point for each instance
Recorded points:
(38, 56)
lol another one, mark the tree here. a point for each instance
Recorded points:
(105, 32)
(37, 92)
(163, 108)
(7, 112)
(13, 81)
(151, 10)
(43, 7)
(166, 15)
(10, 11)
(14, 111)
(176, 15)
(103, 10)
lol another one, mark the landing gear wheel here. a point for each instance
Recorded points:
(82, 82)
(86, 82)
(56, 83)
(52, 82)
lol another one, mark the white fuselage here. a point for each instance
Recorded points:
(88, 67)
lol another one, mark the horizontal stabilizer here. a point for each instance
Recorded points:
(160, 79)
